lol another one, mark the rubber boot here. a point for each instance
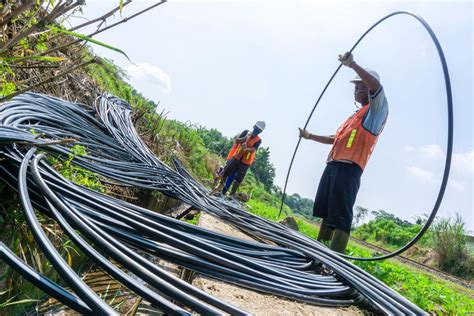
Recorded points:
(235, 186)
(325, 233)
(339, 241)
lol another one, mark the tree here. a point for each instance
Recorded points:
(215, 141)
(263, 169)
(361, 213)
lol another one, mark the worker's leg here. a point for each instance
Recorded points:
(229, 169)
(235, 186)
(321, 208)
(239, 177)
(339, 241)
(325, 233)
(228, 183)
(343, 197)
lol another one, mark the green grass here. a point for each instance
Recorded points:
(262, 209)
(424, 289)
(194, 220)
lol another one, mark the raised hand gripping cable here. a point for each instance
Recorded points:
(449, 149)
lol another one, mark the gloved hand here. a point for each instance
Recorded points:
(304, 133)
(347, 59)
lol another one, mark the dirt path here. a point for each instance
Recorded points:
(257, 303)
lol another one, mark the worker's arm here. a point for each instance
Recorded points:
(370, 81)
(242, 138)
(329, 139)
(253, 148)
(250, 150)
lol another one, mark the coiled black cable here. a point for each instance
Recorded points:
(116, 151)
(449, 146)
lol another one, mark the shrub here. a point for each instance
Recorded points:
(449, 242)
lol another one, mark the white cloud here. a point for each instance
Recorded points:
(456, 185)
(431, 151)
(464, 162)
(427, 151)
(420, 174)
(150, 73)
(461, 162)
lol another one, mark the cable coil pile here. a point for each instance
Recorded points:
(114, 230)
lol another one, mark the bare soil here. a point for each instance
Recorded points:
(254, 302)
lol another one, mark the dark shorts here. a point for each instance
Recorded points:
(337, 193)
(237, 167)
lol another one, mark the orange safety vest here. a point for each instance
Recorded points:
(232, 151)
(249, 157)
(353, 142)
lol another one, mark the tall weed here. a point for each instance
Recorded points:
(449, 242)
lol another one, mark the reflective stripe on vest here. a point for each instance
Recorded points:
(232, 151)
(250, 156)
(353, 142)
(351, 138)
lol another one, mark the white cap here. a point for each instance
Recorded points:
(370, 71)
(260, 125)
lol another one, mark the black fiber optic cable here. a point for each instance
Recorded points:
(449, 146)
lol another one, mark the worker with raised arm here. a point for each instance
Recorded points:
(352, 146)
(243, 154)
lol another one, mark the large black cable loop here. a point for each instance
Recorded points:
(116, 151)
(449, 149)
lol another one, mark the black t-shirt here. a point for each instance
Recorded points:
(245, 133)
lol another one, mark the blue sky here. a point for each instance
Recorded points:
(226, 64)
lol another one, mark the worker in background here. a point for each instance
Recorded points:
(241, 157)
(220, 169)
(352, 146)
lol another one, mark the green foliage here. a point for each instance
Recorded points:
(35, 58)
(89, 39)
(6, 75)
(74, 173)
(215, 142)
(300, 205)
(263, 169)
(194, 220)
(306, 227)
(23, 49)
(10, 302)
(257, 192)
(427, 291)
(449, 242)
(388, 229)
(359, 216)
(447, 237)
(262, 209)
(15, 233)
(166, 137)
(423, 289)
(7, 88)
